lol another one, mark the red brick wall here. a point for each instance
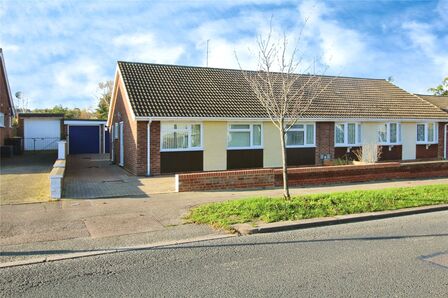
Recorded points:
(324, 140)
(310, 175)
(5, 108)
(391, 152)
(155, 148)
(240, 179)
(142, 128)
(122, 112)
(427, 153)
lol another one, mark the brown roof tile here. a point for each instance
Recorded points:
(157, 90)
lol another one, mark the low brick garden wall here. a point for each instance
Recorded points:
(269, 178)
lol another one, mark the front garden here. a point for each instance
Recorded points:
(223, 215)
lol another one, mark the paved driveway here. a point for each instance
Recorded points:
(25, 178)
(90, 176)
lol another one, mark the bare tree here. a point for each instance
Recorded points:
(281, 90)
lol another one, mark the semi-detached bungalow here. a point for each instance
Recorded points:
(171, 119)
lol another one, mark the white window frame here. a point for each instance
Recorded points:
(358, 137)
(189, 148)
(251, 132)
(2, 119)
(436, 133)
(304, 129)
(10, 121)
(388, 142)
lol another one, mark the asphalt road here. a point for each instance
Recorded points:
(405, 256)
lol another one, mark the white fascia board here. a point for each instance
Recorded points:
(84, 122)
(234, 119)
(113, 99)
(11, 101)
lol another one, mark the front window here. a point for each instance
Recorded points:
(347, 134)
(300, 135)
(180, 136)
(244, 136)
(390, 134)
(427, 133)
(2, 120)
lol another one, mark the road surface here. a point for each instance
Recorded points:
(405, 256)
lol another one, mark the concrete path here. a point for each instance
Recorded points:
(91, 176)
(43, 228)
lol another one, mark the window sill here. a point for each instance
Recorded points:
(244, 148)
(301, 146)
(346, 145)
(182, 150)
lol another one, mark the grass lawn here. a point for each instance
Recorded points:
(224, 214)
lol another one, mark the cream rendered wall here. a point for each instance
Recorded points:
(215, 146)
(409, 140)
(370, 135)
(272, 156)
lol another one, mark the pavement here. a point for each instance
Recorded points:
(396, 257)
(72, 225)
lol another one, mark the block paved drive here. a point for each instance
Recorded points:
(90, 176)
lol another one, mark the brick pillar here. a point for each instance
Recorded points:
(441, 140)
(142, 141)
(155, 148)
(324, 140)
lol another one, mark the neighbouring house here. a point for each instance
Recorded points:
(40, 131)
(7, 111)
(172, 119)
(442, 103)
(43, 131)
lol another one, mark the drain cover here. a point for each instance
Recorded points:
(114, 181)
(440, 259)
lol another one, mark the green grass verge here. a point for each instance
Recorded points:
(224, 214)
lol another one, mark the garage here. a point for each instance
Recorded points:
(86, 136)
(41, 132)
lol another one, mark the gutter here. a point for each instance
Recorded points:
(236, 119)
(148, 148)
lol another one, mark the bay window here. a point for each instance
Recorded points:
(244, 136)
(427, 133)
(301, 135)
(390, 134)
(347, 134)
(180, 136)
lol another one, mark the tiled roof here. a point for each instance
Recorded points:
(157, 90)
(440, 101)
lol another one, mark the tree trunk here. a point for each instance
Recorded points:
(286, 194)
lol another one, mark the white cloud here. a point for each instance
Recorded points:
(434, 48)
(340, 47)
(144, 47)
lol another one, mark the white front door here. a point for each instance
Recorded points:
(121, 145)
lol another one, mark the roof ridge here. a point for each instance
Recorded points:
(235, 69)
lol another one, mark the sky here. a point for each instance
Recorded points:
(56, 52)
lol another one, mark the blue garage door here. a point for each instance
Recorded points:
(84, 139)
